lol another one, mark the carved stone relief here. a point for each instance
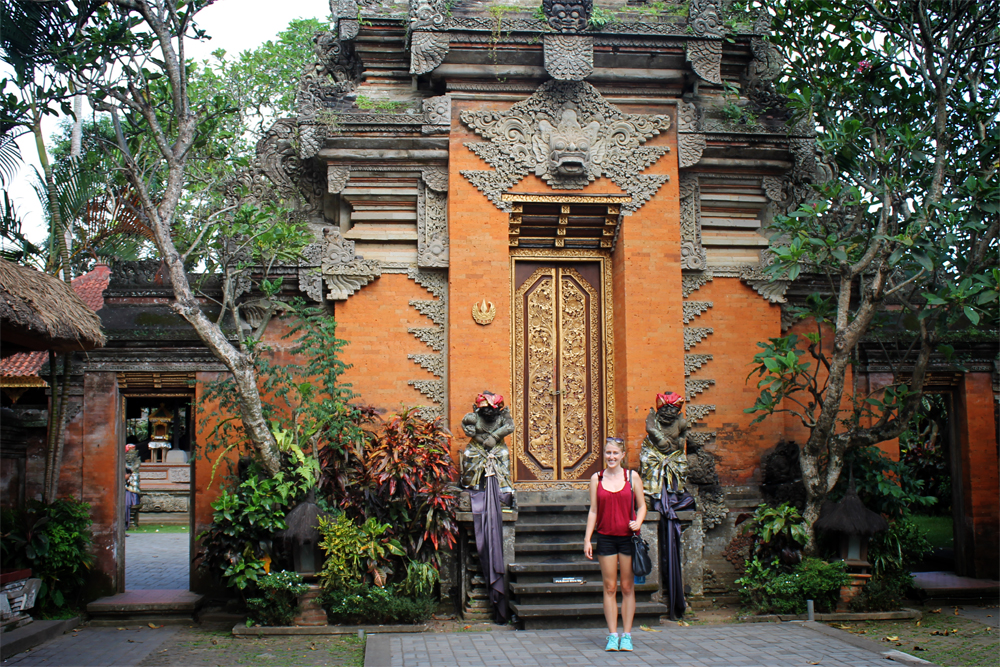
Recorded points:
(758, 84)
(705, 56)
(438, 110)
(344, 272)
(568, 16)
(336, 70)
(694, 335)
(693, 362)
(696, 413)
(694, 308)
(694, 387)
(436, 178)
(427, 51)
(690, 139)
(569, 135)
(336, 178)
(428, 14)
(693, 255)
(769, 288)
(432, 228)
(569, 57)
(692, 282)
(435, 282)
(704, 18)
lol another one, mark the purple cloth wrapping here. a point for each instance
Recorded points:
(487, 521)
(670, 547)
(131, 500)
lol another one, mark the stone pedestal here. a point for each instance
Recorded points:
(311, 612)
(851, 590)
(472, 586)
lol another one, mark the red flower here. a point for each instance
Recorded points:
(863, 66)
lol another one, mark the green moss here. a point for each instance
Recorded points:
(369, 104)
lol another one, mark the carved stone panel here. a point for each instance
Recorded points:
(435, 282)
(568, 135)
(693, 255)
(432, 228)
(344, 272)
(704, 18)
(569, 57)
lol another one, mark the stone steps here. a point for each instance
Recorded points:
(541, 616)
(548, 545)
(162, 607)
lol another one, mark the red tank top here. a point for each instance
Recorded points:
(614, 510)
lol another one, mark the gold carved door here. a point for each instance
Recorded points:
(559, 402)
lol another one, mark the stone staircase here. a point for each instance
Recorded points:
(549, 544)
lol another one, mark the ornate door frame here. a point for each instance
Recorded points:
(604, 328)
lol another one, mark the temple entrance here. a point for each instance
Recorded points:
(159, 426)
(560, 357)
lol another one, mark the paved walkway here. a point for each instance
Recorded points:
(96, 647)
(750, 645)
(157, 561)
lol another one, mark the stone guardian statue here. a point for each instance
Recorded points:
(663, 459)
(487, 454)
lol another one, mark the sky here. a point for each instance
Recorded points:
(234, 25)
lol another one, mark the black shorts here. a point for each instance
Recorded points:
(612, 545)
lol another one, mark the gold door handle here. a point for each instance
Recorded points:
(553, 392)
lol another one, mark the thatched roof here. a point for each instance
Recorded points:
(41, 312)
(850, 516)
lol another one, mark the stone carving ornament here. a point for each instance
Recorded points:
(569, 57)
(428, 50)
(705, 19)
(568, 135)
(691, 141)
(432, 228)
(428, 14)
(344, 272)
(568, 16)
(693, 255)
(705, 56)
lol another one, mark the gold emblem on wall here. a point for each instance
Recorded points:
(483, 313)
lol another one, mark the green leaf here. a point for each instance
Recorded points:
(971, 314)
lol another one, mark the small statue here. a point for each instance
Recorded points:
(663, 459)
(487, 454)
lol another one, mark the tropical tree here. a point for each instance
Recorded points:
(171, 133)
(902, 235)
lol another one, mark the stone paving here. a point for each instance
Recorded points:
(750, 645)
(157, 561)
(96, 647)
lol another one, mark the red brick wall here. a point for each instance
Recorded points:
(740, 318)
(479, 356)
(980, 477)
(374, 322)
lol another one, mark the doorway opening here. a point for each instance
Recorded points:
(930, 450)
(157, 463)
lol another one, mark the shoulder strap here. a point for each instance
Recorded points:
(600, 475)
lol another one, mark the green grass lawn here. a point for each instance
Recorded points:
(159, 528)
(939, 529)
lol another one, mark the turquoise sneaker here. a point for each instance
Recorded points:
(612, 643)
(625, 644)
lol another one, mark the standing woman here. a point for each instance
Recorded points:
(614, 495)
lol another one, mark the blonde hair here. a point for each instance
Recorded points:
(617, 442)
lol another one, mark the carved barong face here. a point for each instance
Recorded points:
(565, 149)
(668, 414)
(568, 16)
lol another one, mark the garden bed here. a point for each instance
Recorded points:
(901, 615)
(240, 629)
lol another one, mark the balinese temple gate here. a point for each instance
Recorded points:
(562, 207)
(512, 199)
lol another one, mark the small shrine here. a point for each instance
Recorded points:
(160, 427)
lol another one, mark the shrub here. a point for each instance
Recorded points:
(354, 552)
(775, 529)
(277, 600)
(893, 554)
(373, 605)
(768, 588)
(238, 544)
(54, 541)
(421, 578)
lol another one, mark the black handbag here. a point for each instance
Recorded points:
(641, 563)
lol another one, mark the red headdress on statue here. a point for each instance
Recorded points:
(492, 400)
(129, 447)
(669, 399)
